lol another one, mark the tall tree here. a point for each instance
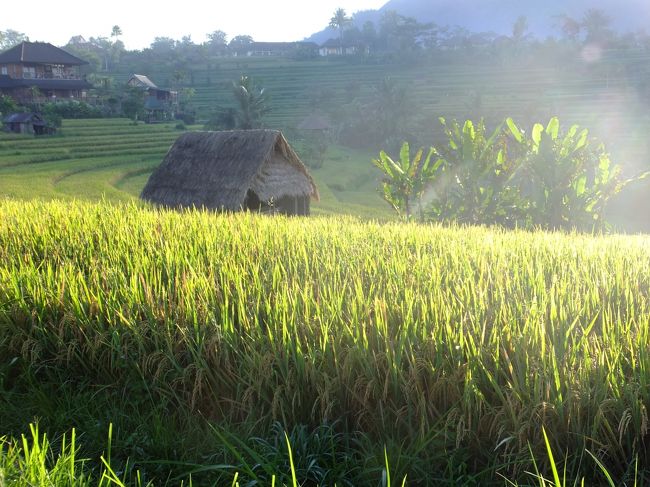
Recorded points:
(10, 38)
(519, 29)
(596, 24)
(217, 41)
(569, 27)
(116, 32)
(252, 103)
(340, 21)
(240, 43)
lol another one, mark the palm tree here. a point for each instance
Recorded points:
(339, 21)
(252, 102)
(596, 24)
(519, 29)
(116, 32)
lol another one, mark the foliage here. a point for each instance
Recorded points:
(239, 44)
(7, 105)
(133, 103)
(222, 119)
(313, 149)
(252, 103)
(10, 38)
(472, 183)
(402, 34)
(564, 181)
(451, 347)
(384, 117)
(405, 180)
(340, 21)
(72, 110)
(543, 180)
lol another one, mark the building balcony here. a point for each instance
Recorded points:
(52, 76)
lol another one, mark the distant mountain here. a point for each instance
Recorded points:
(499, 15)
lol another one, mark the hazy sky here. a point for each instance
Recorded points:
(265, 20)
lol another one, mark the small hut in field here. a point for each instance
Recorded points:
(232, 170)
(315, 122)
(26, 123)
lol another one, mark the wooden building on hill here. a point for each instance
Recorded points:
(265, 49)
(159, 103)
(333, 47)
(32, 71)
(26, 123)
(235, 170)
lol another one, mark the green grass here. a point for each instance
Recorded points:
(111, 159)
(448, 349)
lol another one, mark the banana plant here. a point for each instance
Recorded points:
(565, 180)
(478, 167)
(406, 179)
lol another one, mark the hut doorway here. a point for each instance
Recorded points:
(252, 202)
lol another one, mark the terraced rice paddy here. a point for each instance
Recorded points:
(111, 159)
(448, 350)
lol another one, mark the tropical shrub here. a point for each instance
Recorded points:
(472, 182)
(7, 105)
(72, 110)
(406, 178)
(545, 179)
(564, 181)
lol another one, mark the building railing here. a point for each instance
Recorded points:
(51, 76)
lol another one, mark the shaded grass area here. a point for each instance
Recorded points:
(111, 159)
(196, 335)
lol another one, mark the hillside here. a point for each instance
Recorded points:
(498, 16)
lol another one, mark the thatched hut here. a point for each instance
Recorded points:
(232, 170)
(315, 122)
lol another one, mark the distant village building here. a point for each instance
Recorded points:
(235, 170)
(315, 123)
(26, 123)
(265, 49)
(333, 47)
(159, 104)
(78, 41)
(32, 71)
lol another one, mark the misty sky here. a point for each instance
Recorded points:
(277, 20)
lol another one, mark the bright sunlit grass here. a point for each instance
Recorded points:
(430, 340)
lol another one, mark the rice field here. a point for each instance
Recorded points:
(443, 352)
(111, 160)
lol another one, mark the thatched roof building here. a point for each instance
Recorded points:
(232, 170)
(315, 122)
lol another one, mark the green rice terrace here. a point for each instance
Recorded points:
(149, 347)
(111, 159)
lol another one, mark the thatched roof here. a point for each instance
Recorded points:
(142, 81)
(315, 121)
(216, 169)
(39, 53)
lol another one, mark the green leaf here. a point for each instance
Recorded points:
(427, 161)
(493, 137)
(468, 129)
(556, 476)
(405, 156)
(469, 135)
(553, 128)
(500, 158)
(392, 164)
(580, 185)
(603, 166)
(537, 133)
(415, 164)
(582, 141)
(514, 130)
